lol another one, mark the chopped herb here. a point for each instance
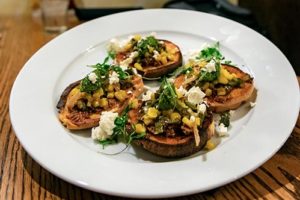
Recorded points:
(225, 119)
(211, 53)
(143, 44)
(167, 97)
(210, 76)
(87, 86)
(122, 75)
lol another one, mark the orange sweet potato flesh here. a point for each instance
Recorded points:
(158, 71)
(78, 120)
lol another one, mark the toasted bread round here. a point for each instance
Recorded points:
(163, 69)
(74, 119)
(178, 146)
(236, 96)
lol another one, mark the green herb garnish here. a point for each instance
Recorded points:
(210, 76)
(167, 97)
(211, 53)
(143, 44)
(225, 119)
(181, 70)
(122, 75)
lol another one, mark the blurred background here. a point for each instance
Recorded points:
(277, 20)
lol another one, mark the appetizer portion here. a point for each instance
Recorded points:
(151, 57)
(225, 86)
(107, 88)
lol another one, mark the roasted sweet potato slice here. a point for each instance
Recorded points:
(75, 119)
(162, 69)
(234, 98)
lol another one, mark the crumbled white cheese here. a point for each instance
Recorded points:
(129, 60)
(195, 95)
(210, 67)
(129, 92)
(134, 70)
(114, 78)
(201, 108)
(181, 90)
(93, 77)
(252, 104)
(155, 55)
(222, 130)
(106, 126)
(147, 96)
(116, 45)
(192, 118)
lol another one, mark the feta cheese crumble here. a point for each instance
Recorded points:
(201, 108)
(195, 95)
(129, 60)
(93, 77)
(147, 96)
(182, 91)
(222, 130)
(155, 55)
(114, 78)
(210, 67)
(106, 126)
(252, 104)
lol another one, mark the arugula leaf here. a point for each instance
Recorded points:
(142, 45)
(211, 53)
(225, 119)
(167, 97)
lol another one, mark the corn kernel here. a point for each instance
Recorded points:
(121, 95)
(164, 60)
(110, 88)
(138, 66)
(171, 57)
(205, 86)
(110, 95)
(227, 75)
(221, 91)
(208, 92)
(151, 49)
(179, 94)
(128, 46)
(103, 102)
(98, 93)
(222, 79)
(134, 103)
(152, 112)
(80, 104)
(210, 145)
(175, 117)
(96, 103)
(140, 128)
(147, 120)
(187, 122)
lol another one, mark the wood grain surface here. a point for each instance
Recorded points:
(22, 178)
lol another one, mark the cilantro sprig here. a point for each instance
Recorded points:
(210, 53)
(143, 44)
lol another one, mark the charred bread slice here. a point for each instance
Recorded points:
(151, 57)
(172, 127)
(82, 110)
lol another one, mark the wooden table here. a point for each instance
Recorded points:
(22, 178)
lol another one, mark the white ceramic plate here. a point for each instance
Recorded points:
(254, 137)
